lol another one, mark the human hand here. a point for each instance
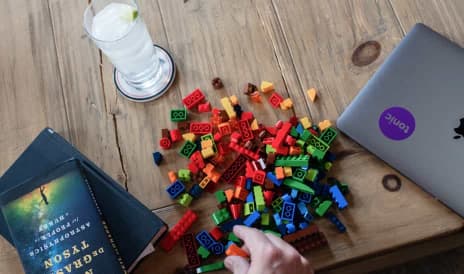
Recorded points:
(269, 254)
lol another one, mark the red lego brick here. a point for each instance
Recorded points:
(268, 197)
(217, 137)
(249, 171)
(240, 193)
(205, 107)
(190, 247)
(271, 130)
(193, 99)
(247, 115)
(289, 140)
(279, 124)
(281, 135)
(259, 177)
(313, 132)
(193, 167)
(242, 150)
(235, 137)
(245, 130)
(175, 135)
(240, 181)
(294, 121)
(165, 143)
(224, 128)
(200, 128)
(236, 210)
(216, 233)
(275, 100)
(234, 169)
(178, 230)
(268, 140)
(282, 150)
(197, 159)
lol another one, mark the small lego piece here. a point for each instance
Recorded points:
(233, 100)
(288, 211)
(254, 125)
(217, 83)
(216, 233)
(328, 135)
(190, 247)
(234, 250)
(281, 135)
(323, 207)
(240, 193)
(207, 152)
(204, 239)
(175, 189)
(250, 89)
(305, 122)
(259, 177)
(204, 182)
(203, 252)
(224, 128)
(220, 216)
(275, 99)
(255, 97)
(252, 218)
(259, 198)
(334, 220)
(286, 104)
(312, 94)
(187, 149)
(245, 130)
(324, 125)
(178, 115)
(185, 199)
(288, 171)
(220, 196)
(157, 158)
(165, 143)
(217, 248)
(248, 208)
(210, 267)
(195, 191)
(338, 197)
(184, 175)
(292, 161)
(226, 104)
(233, 238)
(265, 219)
(189, 137)
(205, 107)
(200, 128)
(267, 87)
(172, 176)
(236, 210)
(298, 186)
(178, 230)
(193, 99)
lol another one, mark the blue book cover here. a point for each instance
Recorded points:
(57, 226)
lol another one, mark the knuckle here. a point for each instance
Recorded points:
(272, 253)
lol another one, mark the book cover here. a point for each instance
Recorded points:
(57, 226)
(133, 226)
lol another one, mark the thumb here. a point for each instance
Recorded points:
(237, 264)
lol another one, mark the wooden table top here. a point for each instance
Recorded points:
(52, 75)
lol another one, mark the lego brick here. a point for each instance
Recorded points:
(200, 128)
(318, 143)
(204, 239)
(220, 196)
(299, 174)
(236, 210)
(315, 153)
(178, 230)
(288, 211)
(259, 177)
(281, 135)
(190, 247)
(248, 208)
(312, 94)
(178, 115)
(290, 228)
(187, 149)
(228, 226)
(234, 250)
(183, 125)
(259, 198)
(323, 125)
(266, 87)
(197, 158)
(172, 176)
(265, 219)
(288, 171)
(292, 161)
(240, 193)
(277, 204)
(304, 212)
(233, 100)
(323, 207)
(328, 135)
(184, 175)
(210, 267)
(255, 97)
(193, 99)
(220, 216)
(175, 189)
(226, 104)
(232, 237)
(204, 182)
(232, 171)
(338, 197)
(205, 107)
(295, 150)
(268, 196)
(224, 128)
(195, 191)
(207, 153)
(165, 143)
(304, 197)
(157, 158)
(305, 122)
(305, 135)
(245, 130)
(244, 151)
(216, 233)
(275, 99)
(185, 199)
(252, 218)
(217, 248)
(286, 104)
(203, 252)
(311, 175)
(189, 136)
(334, 220)
(254, 124)
(298, 186)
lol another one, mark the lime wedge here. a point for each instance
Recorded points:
(130, 15)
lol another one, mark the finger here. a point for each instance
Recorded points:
(245, 248)
(252, 237)
(237, 264)
(279, 242)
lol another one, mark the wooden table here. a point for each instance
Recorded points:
(52, 75)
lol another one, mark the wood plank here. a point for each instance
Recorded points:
(31, 89)
(92, 128)
(321, 37)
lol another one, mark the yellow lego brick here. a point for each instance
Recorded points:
(324, 125)
(206, 144)
(254, 125)
(305, 122)
(226, 104)
(204, 182)
(233, 100)
(267, 86)
(288, 171)
(286, 104)
(189, 137)
(207, 152)
(312, 94)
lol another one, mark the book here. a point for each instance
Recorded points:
(134, 227)
(57, 226)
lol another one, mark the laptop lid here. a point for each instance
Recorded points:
(408, 111)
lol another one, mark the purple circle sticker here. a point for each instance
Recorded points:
(397, 123)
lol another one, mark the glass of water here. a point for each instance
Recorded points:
(143, 71)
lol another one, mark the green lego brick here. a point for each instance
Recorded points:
(318, 143)
(184, 174)
(265, 219)
(259, 198)
(209, 137)
(185, 199)
(321, 210)
(268, 231)
(293, 132)
(298, 186)
(277, 204)
(248, 208)
(328, 135)
(220, 196)
(187, 149)
(292, 161)
(305, 135)
(270, 149)
(327, 166)
(311, 174)
(300, 143)
(203, 252)
(299, 174)
(233, 238)
(316, 153)
(220, 216)
(210, 267)
(178, 115)
(315, 202)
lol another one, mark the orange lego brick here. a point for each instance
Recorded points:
(172, 176)
(234, 250)
(279, 171)
(229, 194)
(240, 193)
(267, 87)
(324, 125)
(312, 94)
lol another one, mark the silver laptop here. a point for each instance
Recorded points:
(411, 114)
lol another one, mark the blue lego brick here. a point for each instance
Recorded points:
(277, 219)
(288, 211)
(303, 225)
(229, 243)
(250, 198)
(282, 229)
(157, 157)
(299, 129)
(195, 191)
(217, 248)
(252, 218)
(338, 197)
(204, 239)
(294, 193)
(175, 189)
(249, 184)
(290, 228)
(229, 225)
(271, 177)
(334, 220)
(304, 212)
(304, 197)
(286, 198)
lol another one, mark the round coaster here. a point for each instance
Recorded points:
(168, 73)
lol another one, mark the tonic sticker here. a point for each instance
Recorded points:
(397, 123)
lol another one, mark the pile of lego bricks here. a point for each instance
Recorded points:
(277, 176)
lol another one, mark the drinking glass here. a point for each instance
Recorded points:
(143, 71)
